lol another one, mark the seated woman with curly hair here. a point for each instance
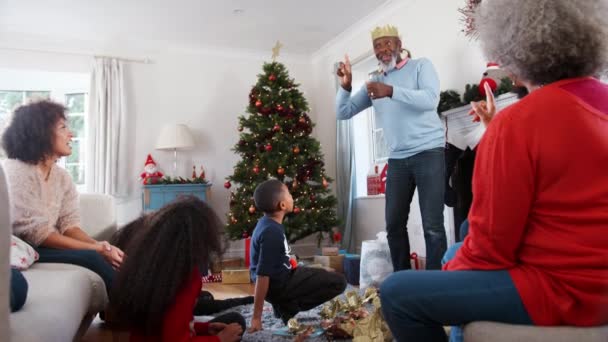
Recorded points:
(44, 200)
(158, 286)
(537, 248)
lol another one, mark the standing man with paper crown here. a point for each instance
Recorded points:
(404, 94)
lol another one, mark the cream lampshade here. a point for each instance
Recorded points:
(174, 137)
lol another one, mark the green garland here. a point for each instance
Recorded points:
(179, 180)
(450, 99)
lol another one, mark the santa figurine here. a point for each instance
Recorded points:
(151, 175)
(493, 76)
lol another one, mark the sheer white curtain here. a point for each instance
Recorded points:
(107, 160)
(345, 176)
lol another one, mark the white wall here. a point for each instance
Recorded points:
(429, 28)
(205, 89)
(208, 89)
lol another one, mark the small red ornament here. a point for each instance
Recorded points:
(302, 120)
(240, 128)
(245, 235)
(325, 183)
(268, 148)
(252, 209)
(272, 77)
(296, 150)
(256, 170)
(276, 128)
(281, 171)
(279, 108)
(312, 198)
(258, 103)
(296, 210)
(227, 185)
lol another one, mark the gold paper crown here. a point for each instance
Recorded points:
(386, 31)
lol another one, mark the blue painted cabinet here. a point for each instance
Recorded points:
(155, 197)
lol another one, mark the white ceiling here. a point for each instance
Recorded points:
(303, 26)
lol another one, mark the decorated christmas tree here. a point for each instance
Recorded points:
(275, 142)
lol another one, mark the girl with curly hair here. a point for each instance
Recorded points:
(159, 283)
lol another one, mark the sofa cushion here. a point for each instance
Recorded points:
(97, 215)
(59, 296)
(500, 332)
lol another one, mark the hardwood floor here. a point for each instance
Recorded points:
(100, 332)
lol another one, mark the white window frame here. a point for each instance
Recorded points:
(60, 85)
(82, 141)
(365, 129)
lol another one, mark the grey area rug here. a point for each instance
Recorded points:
(270, 323)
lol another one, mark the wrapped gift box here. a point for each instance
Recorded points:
(330, 251)
(232, 263)
(333, 261)
(213, 278)
(236, 276)
(352, 264)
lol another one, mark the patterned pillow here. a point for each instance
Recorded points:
(22, 254)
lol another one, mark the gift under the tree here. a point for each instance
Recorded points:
(352, 265)
(232, 263)
(333, 261)
(212, 278)
(330, 251)
(236, 276)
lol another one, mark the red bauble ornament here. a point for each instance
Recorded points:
(325, 183)
(296, 150)
(258, 103)
(252, 209)
(279, 108)
(256, 170)
(276, 128)
(245, 235)
(302, 120)
(268, 148)
(281, 171)
(227, 185)
(312, 198)
(296, 210)
(272, 77)
(240, 128)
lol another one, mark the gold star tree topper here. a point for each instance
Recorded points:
(276, 50)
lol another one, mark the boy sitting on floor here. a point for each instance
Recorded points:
(290, 289)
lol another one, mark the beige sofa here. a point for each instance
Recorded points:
(499, 332)
(62, 299)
